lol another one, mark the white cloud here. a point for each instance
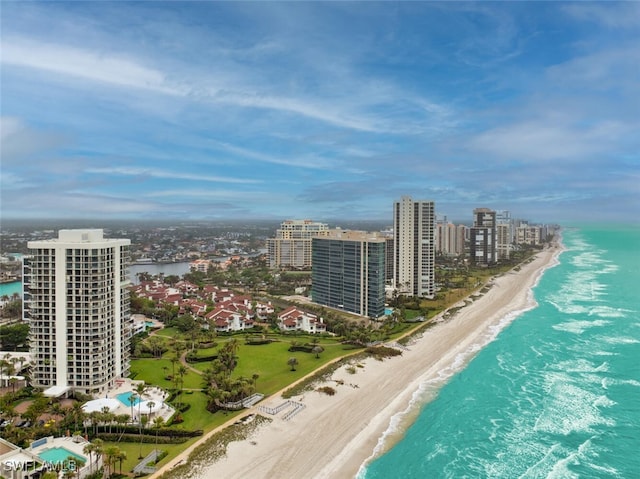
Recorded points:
(301, 162)
(345, 105)
(156, 173)
(90, 65)
(548, 140)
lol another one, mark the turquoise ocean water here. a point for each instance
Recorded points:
(557, 393)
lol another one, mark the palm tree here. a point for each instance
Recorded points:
(78, 414)
(155, 346)
(91, 448)
(182, 371)
(150, 404)
(293, 362)
(140, 390)
(174, 360)
(95, 418)
(317, 349)
(21, 360)
(110, 454)
(157, 424)
(132, 400)
(107, 417)
(99, 450)
(122, 420)
(120, 456)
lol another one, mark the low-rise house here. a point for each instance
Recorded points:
(262, 311)
(226, 321)
(201, 265)
(294, 319)
(193, 306)
(187, 287)
(217, 294)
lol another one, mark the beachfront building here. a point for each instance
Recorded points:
(294, 319)
(348, 272)
(291, 248)
(77, 303)
(505, 235)
(482, 245)
(414, 247)
(530, 235)
(450, 238)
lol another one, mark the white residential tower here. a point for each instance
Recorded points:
(414, 247)
(77, 303)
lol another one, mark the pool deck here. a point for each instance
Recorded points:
(153, 393)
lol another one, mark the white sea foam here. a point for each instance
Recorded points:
(619, 340)
(579, 327)
(545, 465)
(568, 409)
(560, 469)
(585, 455)
(606, 382)
(608, 312)
(580, 366)
(604, 401)
(604, 353)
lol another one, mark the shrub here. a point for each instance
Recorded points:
(303, 348)
(257, 342)
(382, 352)
(328, 390)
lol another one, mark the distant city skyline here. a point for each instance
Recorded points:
(327, 111)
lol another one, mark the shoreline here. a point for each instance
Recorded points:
(336, 436)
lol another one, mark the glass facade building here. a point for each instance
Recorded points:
(349, 272)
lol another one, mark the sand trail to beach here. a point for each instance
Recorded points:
(334, 435)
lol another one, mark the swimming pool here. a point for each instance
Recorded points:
(124, 398)
(58, 455)
(388, 311)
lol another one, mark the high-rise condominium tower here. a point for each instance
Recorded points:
(483, 241)
(414, 247)
(291, 248)
(348, 272)
(77, 303)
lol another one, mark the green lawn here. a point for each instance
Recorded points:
(154, 370)
(269, 361)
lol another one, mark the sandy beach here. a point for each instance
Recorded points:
(334, 435)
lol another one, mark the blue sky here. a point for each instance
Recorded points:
(198, 110)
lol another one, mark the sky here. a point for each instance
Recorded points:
(331, 110)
